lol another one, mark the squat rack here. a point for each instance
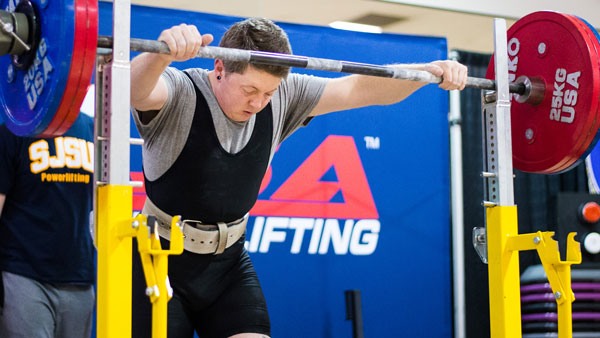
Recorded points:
(498, 244)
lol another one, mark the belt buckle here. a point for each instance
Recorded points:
(220, 228)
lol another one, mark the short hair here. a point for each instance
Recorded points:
(258, 34)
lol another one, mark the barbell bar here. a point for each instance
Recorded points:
(554, 70)
(307, 62)
(13, 39)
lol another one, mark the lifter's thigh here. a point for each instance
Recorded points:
(242, 310)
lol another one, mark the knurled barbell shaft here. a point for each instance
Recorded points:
(287, 60)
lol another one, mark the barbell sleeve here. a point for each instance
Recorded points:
(288, 60)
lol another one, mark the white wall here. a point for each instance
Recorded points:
(514, 9)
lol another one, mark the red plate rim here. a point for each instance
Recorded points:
(81, 69)
(88, 67)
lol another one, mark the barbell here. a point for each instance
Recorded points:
(554, 70)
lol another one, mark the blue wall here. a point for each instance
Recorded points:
(388, 171)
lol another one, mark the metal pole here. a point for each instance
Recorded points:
(114, 194)
(501, 212)
(288, 60)
(456, 177)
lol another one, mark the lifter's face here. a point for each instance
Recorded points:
(243, 95)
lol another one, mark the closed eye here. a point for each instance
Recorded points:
(248, 92)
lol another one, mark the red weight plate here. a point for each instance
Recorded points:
(589, 129)
(593, 135)
(91, 46)
(585, 126)
(82, 67)
(550, 137)
(89, 60)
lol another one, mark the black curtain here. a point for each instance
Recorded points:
(534, 196)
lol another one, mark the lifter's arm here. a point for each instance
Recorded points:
(148, 89)
(356, 91)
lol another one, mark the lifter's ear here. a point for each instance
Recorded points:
(219, 66)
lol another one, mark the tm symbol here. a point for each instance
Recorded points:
(372, 142)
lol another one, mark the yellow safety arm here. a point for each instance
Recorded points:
(155, 266)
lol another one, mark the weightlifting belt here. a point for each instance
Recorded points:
(199, 237)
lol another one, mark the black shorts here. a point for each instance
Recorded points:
(215, 296)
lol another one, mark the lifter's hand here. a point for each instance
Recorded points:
(184, 41)
(453, 74)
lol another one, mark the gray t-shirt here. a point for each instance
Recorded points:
(165, 136)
